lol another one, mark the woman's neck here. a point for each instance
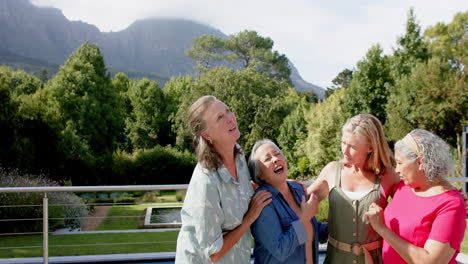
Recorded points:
(427, 189)
(226, 152)
(283, 188)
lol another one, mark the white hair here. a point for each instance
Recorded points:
(254, 166)
(437, 161)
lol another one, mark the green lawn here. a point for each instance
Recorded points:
(87, 244)
(133, 211)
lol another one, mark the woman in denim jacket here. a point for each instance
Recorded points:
(285, 231)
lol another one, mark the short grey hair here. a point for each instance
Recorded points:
(437, 161)
(254, 163)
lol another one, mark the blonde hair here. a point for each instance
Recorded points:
(204, 150)
(369, 128)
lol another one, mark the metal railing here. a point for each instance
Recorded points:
(45, 204)
(45, 201)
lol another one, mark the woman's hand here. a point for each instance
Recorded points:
(258, 202)
(375, 217)
(309, 208)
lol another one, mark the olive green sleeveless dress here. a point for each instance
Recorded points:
(347, 222)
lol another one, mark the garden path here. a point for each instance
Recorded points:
(96, 217)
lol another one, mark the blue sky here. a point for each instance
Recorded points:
(321, 38)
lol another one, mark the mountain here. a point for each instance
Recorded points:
(153, 48)
(304, 86)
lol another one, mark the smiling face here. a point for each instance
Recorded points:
(273, 164)
(354, 149)
(409, 170)
(221, 124)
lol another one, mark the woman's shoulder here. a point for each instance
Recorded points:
(328, 172)
(203, 175)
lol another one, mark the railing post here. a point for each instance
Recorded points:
(45, 230)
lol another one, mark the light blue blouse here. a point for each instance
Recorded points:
(214, 205)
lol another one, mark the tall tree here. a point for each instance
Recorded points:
(342, 80)
(368, 90)
(324, 122)
(252, 96)
(206, 49)
(246, 49)
(449, 42)
(144, 122)
(412, 50)
(86, 107)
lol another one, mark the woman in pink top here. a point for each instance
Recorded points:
(425, 222)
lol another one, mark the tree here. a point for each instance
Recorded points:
(324, 122)
(252, 96)
(411, 48)
(342, 80)
(85, 107)
(434, 95)
(449, 41)
(246, 49)
(144, 122)
(206, 49)
(368, 90)
(440, 100)
(292, 133)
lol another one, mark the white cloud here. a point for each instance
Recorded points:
(320, 37)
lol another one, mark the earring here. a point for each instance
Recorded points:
(211, 141)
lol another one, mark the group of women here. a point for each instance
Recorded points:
(423, 223)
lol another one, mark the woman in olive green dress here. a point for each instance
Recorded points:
(364, 175)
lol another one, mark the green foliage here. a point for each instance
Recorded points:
(292, 131)
(246, 48)
(205, 50)
(324, 122)
(150, 197)
(368, 90)
(144, 121)
(125, 200)
(342, 80)
(180, 195)
(435, 94)
(322, 214)
(449, 41)
(86, 108)
(255, 98)
(61, 205)
(412, 48)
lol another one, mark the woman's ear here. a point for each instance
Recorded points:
(205, 136)
(419, 162)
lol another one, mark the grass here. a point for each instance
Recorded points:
(87, 244)
(133, 212)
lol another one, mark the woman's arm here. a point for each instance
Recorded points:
(321, 186)
(258, 202)
(267, 230)
(433, 251)
(390, 182)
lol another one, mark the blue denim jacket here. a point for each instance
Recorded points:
(279, 235)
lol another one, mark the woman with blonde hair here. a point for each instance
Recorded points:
(219, 208)
(365, 175)
(425, 222)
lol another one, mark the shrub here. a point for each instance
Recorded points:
(150, 197)
(126, 200)
(322, 214)
(180, 195)
(61, 205)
